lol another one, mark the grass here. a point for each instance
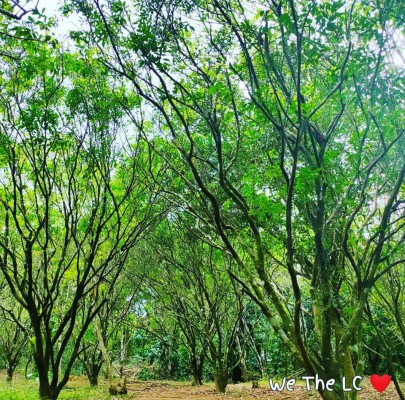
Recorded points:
(24, 389)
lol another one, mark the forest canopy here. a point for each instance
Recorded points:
(204, 190)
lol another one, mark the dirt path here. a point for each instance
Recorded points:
(174, 390)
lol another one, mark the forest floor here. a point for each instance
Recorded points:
(173, 390)
(78, 389)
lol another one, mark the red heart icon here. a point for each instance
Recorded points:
(380, 383)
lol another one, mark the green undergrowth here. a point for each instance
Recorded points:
(23, 389)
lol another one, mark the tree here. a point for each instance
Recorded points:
(73, 200)
(188, 285)
(283, 120)
(14, 332)
(386, 307)
(112, 324)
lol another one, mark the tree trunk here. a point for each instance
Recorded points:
(92, 368)
(94, 373)
(197, 381)
(196, 369)
(221, 381)
(46, 392)
(197, 377)
(93, 379)
(125, 346)
(11, 366)
(103, 349)
(10, 373)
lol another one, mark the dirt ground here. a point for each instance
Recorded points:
(175, 390)
(155, 390)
